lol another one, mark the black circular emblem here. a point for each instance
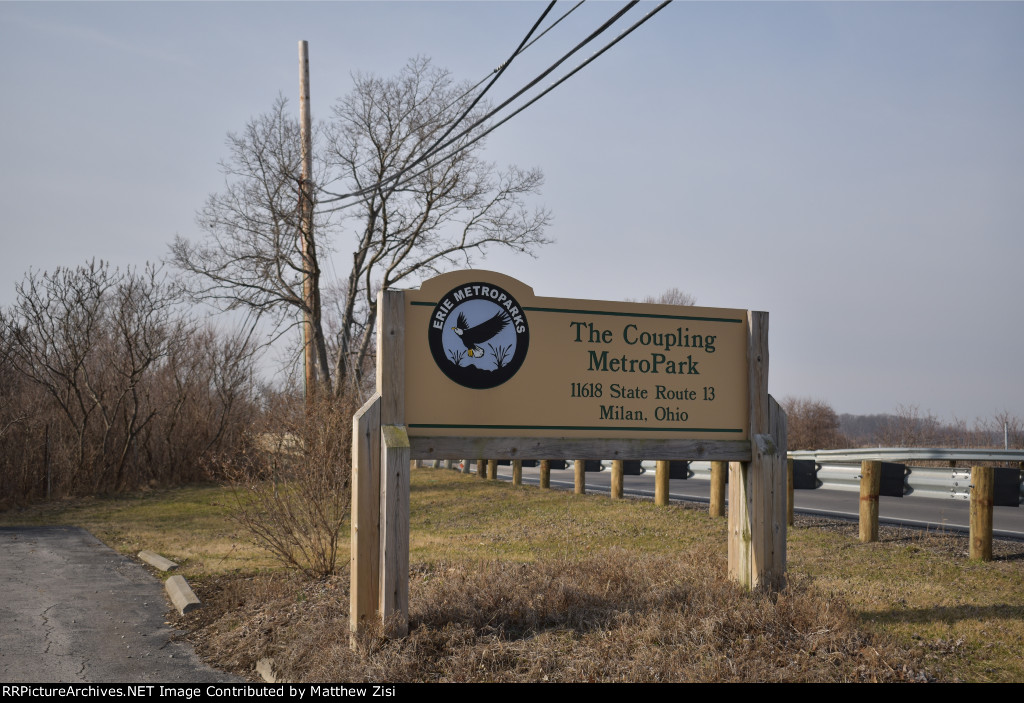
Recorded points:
(478, 335)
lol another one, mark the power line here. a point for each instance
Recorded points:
(554, 85)
(437, 148)
(497, 74)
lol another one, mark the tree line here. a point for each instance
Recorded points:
(813, 424)
(107, 383)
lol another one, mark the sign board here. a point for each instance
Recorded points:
(473, 364)
(484, 356)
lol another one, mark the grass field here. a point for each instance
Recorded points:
(522, 584)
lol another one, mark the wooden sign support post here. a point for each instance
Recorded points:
(757, 489)
(633, 382)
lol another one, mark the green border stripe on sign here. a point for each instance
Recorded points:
(569, 427)
(617, 314)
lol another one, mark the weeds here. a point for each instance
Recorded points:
(292, 482)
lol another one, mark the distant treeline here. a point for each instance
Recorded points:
(813, 424)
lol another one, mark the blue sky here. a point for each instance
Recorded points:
(855, 169)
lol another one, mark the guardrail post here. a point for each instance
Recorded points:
(789, 492)
(616, 487)
(661, 477)
(545, 473)
(481, 468)
(492, 469)
(983, 485)
(581, 481)
(517, 472)
(870, 483)
(718, 472)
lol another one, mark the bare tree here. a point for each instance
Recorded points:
(379, 193)
(672, 296)
(107, 361)
(811, 424)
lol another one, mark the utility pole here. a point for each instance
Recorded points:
(310, 292)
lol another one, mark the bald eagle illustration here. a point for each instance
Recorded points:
(473, 337)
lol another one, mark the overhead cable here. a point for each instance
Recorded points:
(437, 148)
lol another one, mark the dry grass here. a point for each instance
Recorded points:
(612, 617)
(522, 584)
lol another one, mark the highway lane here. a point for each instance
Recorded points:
(912, 511)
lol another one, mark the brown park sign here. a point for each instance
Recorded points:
(485, 357)
(473, 364)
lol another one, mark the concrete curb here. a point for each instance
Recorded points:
(181, 595)
(157, 561)
(265, 668)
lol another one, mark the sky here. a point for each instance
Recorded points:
(855, 169)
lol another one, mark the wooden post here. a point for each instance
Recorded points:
(311, 273)
(616, 487)
(757, 490)
(492, 469)
(364, 564)
(581, 480)
(661, 475)
(517, 472)
(717, 507)
(394, 536)
(870, 484)
(983, 486)
(789, 492)
(393, 598)
(545, 473)
(481, 468)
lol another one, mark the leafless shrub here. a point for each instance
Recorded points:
(292, 481)
(108, 385)
(811, 424)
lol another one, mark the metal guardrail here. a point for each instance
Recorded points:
(839, 469)
(907, 454)
(921, 481)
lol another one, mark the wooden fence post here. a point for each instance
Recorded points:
(481, 468)
(545, 473)
(661, 476)
(517, 472)
(581, 480)
(492, 469)
(983, 485)
(717, 507)
(616, 485)
(364, 563)
(870, 485)
(789, 492)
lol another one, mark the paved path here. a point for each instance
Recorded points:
(74, 611)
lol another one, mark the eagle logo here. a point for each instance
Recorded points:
(478, 335)
(473, 336)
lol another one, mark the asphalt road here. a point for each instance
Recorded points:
(75, 611)
(1007, 522)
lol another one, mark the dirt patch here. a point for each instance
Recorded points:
(613, 617)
